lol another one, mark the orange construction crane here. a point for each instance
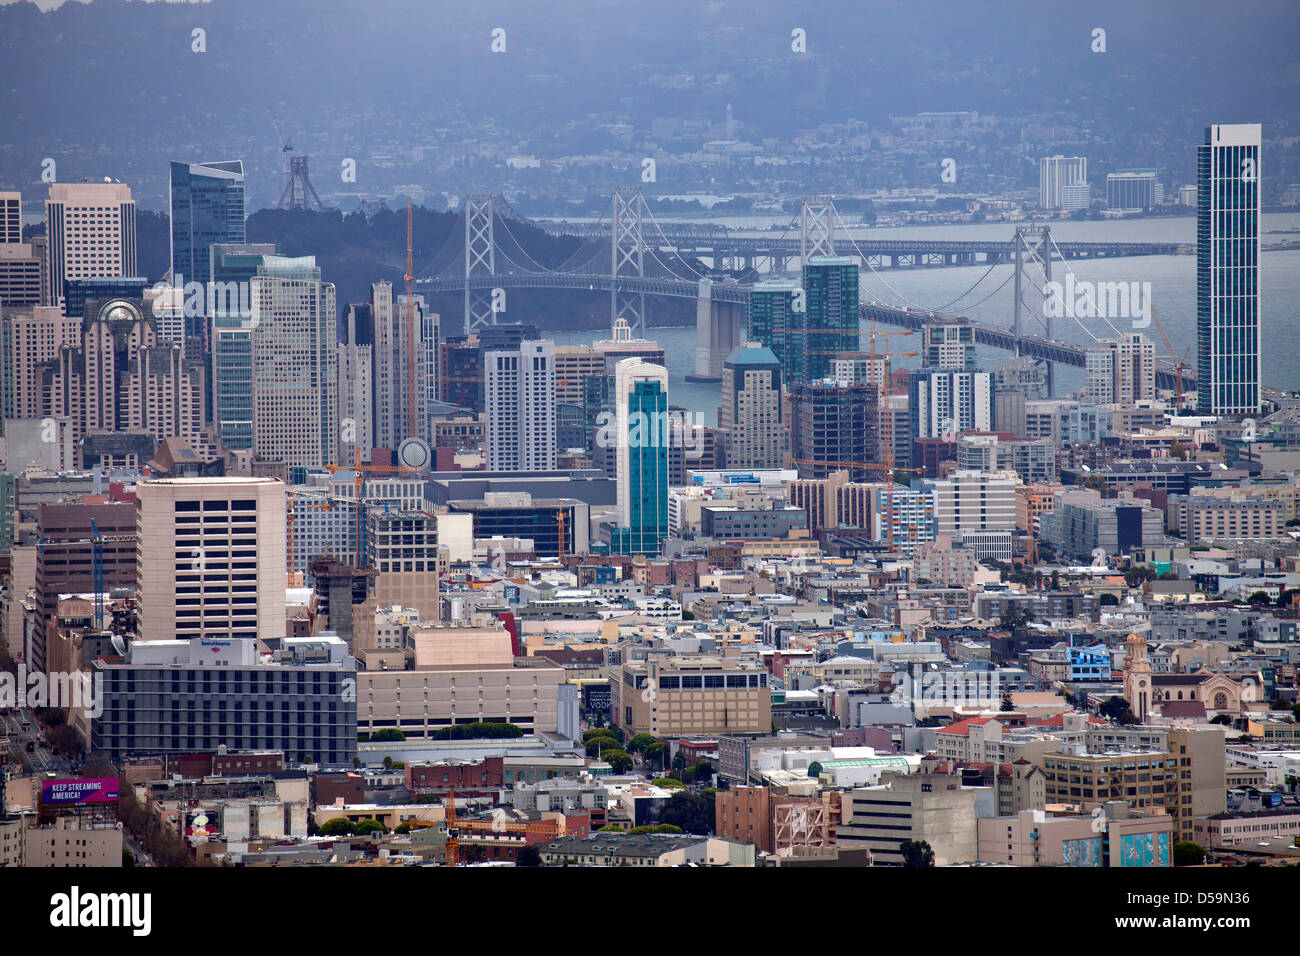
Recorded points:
(361, 471)
(540, 830)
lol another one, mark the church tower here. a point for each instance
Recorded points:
(1137, 676)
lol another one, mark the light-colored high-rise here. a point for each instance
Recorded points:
(1121, 371)
(120, 377)
(1227, 270)
(294, 363)
(1057, 172)
(211, 558)
(391, 375)
(91, 228)
(750, 415)
(519, 388)
(356, 392)
(38, 334)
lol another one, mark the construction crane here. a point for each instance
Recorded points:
(540, 830)
(289, 516)
(559, 523)
(361, 471)
(288, 143)
(1179, 363)
(96, 541)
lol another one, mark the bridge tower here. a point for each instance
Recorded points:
(480, 259)
(816, 228)
(1033, 247)
(626, 258)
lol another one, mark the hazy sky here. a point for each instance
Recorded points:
(52, 4)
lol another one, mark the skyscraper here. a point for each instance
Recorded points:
(390, 375)
(294, 363)
(771, 319)
(207, 206)
(833, 427)
(211, 558)
(21, 268)
(91, 228)
(1227, 270)
(119, 377)
(356, 388)
(949, 402)
(520, 394)
(948, 345)
(641, 436)
(232, 266)
(1057, 172)
(750, 416)
(1121, 371)
(831, 318)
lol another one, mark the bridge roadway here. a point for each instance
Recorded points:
(714, 241)
(993, 336)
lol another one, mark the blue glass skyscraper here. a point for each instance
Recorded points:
(207, 206)
(1227, 270)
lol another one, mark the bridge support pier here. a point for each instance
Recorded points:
(719, 328)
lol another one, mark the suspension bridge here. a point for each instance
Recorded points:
(630, 255)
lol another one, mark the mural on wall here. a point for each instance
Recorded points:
(1081, 852)
(1144, 849)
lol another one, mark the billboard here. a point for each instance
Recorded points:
(90, 790)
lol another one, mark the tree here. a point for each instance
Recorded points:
(1187, 853)
(639, 743)
(339, 826)
(917, 853)
(668, 783)
(666, 828)
(1116, 708)
(528, 856)
(391, 733)
(702, 772)
(693, 812)
(1137, 576)
(619, 760)
(367, 827)
(1258, 598)
(596, 744)
(679, 761)
(1222, 719)
(1007, 704)
(655, 754)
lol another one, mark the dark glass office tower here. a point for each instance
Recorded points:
(207, 206)
(831, 286)
(1227, 270)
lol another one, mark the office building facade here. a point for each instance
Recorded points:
(750, 417)
(211, 559)
(91, 231)
(1227, 270)
(207, 207)
(519, 389)
(294, 363)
